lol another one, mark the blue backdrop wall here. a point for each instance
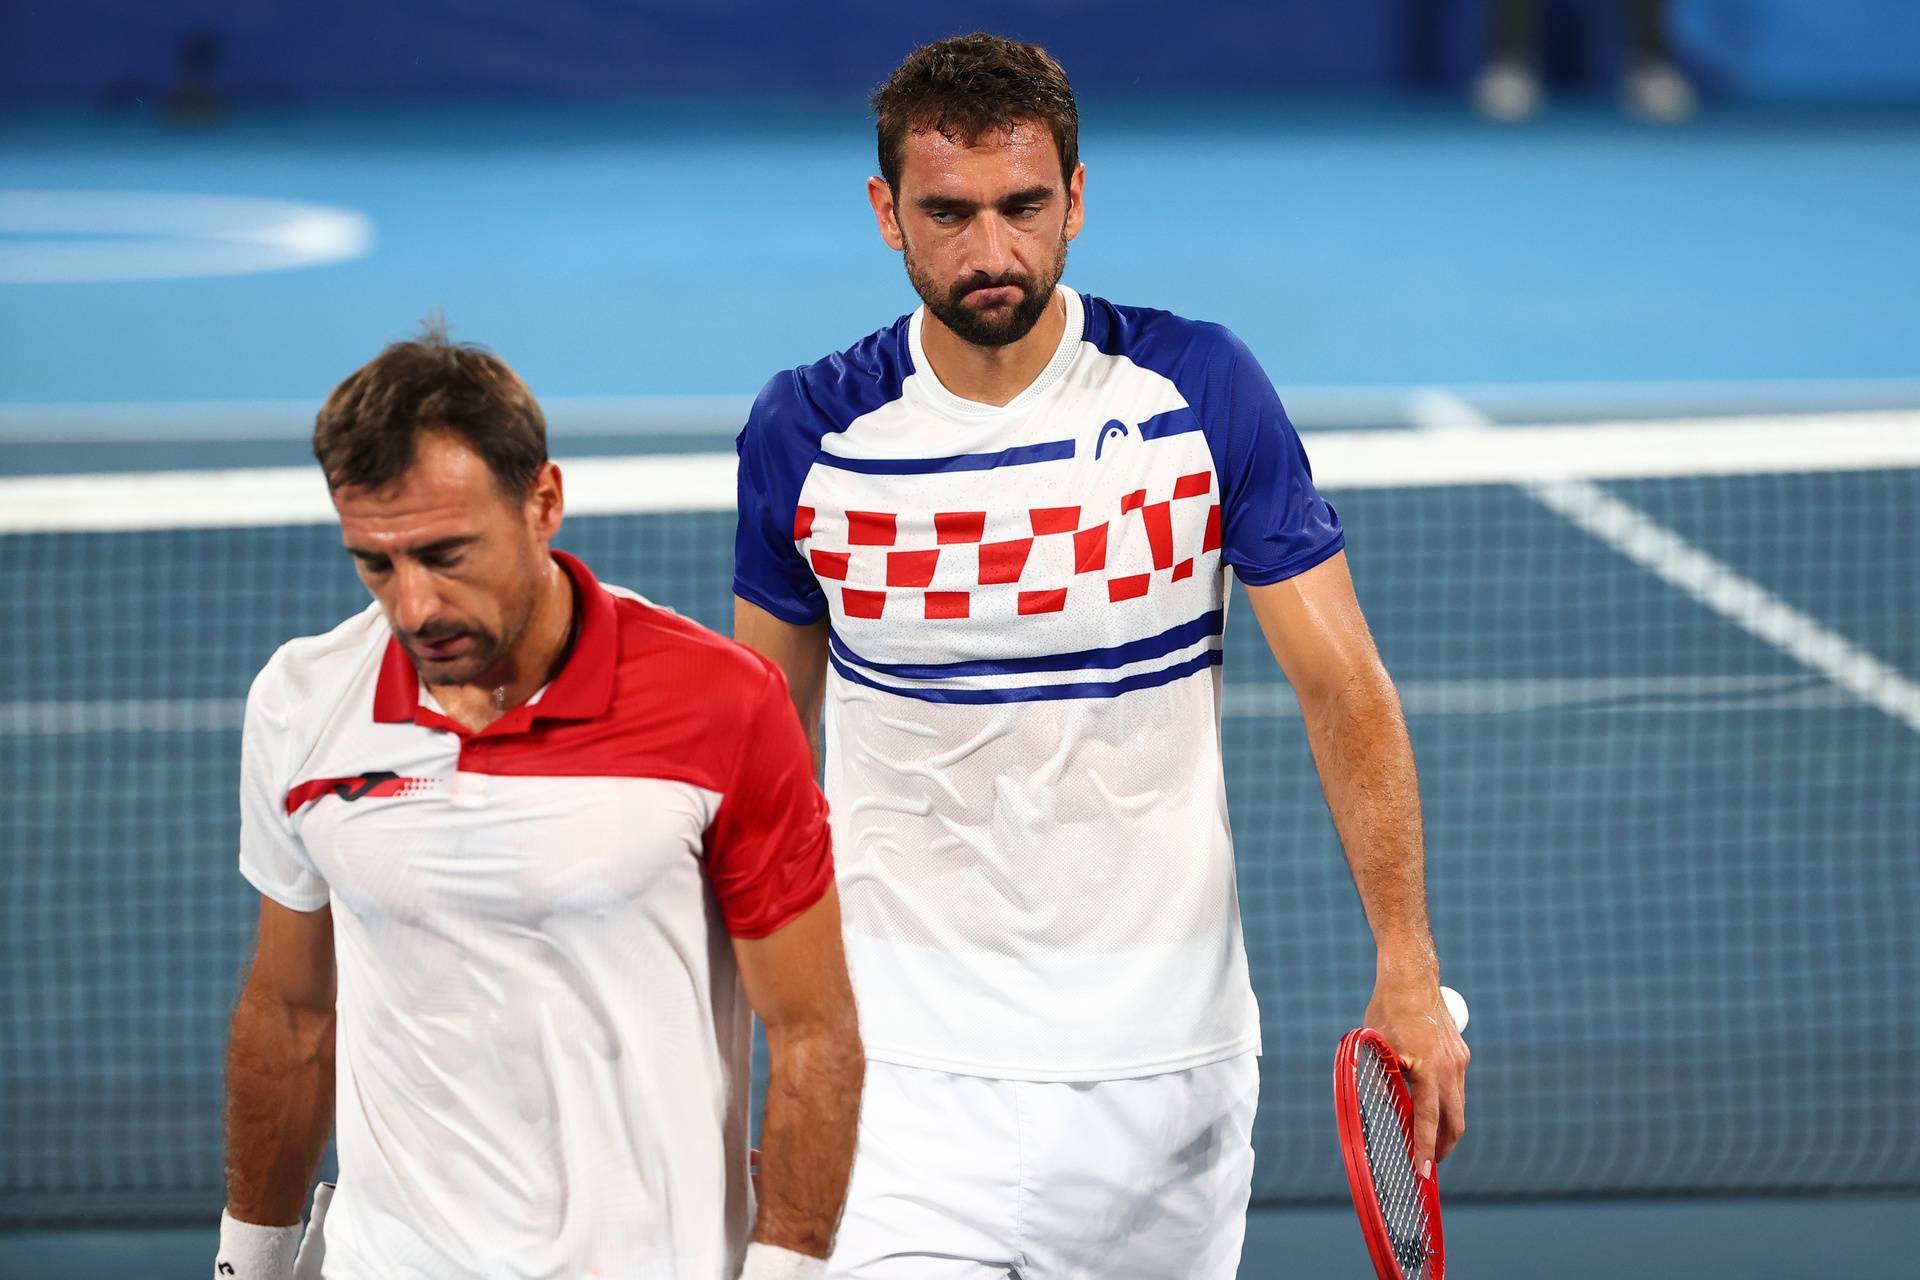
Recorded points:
(624, 47)
(120, 50)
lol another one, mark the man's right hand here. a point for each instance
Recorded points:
(252, 1252)
(280, 1087)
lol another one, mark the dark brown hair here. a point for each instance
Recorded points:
(367, 432)
(970, 86)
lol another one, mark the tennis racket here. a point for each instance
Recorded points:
(1399, 1210)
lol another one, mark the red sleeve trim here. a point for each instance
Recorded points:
(801, 901)
(769, 849)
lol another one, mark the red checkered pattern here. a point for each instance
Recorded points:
(910, 573)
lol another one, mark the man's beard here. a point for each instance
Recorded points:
(948, 303)
(484, 653)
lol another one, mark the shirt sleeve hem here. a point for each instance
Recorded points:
(795, 907)
(781, 609)
(1293, 567)
(301, 902)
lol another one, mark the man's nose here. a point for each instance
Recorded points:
(992, 246)
(415, 597)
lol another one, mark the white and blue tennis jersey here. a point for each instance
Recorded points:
(1023, 744)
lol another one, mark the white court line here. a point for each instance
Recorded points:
(57, 718)
(1332, 405)
(1247, 700)
(1710, 581)
(254, 496)
(1602, 694)
(249, 421)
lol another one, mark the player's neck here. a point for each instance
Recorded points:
(993, 375)
(531, 663)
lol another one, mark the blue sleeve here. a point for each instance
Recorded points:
(1273, 522)
(776, 448)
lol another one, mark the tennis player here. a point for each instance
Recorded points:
(521, 840)
(992, 538)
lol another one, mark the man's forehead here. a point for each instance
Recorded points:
(438, 497)
(1014, 156)
(389, 526)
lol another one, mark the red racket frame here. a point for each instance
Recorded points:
(1353, 1147)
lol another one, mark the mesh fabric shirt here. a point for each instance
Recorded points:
(1022, 715)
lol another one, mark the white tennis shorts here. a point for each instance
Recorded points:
(966, 1178)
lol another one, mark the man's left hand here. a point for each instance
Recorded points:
(1408, 1011)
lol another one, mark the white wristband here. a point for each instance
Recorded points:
(250, 1252)
(771, 1262)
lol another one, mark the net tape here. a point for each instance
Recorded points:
(1397, 459)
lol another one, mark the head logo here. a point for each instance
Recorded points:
(1112, 431)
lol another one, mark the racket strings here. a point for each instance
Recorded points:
(1384, 1126)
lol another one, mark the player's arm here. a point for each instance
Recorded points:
(796, 980)
(800, 651)
(279, 1077)
(779, 609)
(770, 860)
(280, 1046)
(1313, 623)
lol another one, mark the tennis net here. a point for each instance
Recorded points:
(1663, 680)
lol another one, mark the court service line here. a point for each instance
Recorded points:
(268, 421)
(1243, 700)
(1711, 582)
(53, 717)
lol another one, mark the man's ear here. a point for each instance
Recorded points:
(880, 196)
(1076, 200)
(546, 501)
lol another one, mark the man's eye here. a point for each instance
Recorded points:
(944, 217)
(375, 567)
(439, 562)
(1024, 210)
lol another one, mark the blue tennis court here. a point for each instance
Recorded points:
(1667, 707)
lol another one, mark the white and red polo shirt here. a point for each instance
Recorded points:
(543, 1050)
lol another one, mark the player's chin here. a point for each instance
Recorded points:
(997, 326)
(463, 668)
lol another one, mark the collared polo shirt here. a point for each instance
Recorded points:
(543, 1050)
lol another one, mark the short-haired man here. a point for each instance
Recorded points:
(521, 839)
(992, 538)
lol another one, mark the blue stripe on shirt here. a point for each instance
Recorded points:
(1173, 422)
(1051, 451)
(1119, 655)
(1041, 692)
